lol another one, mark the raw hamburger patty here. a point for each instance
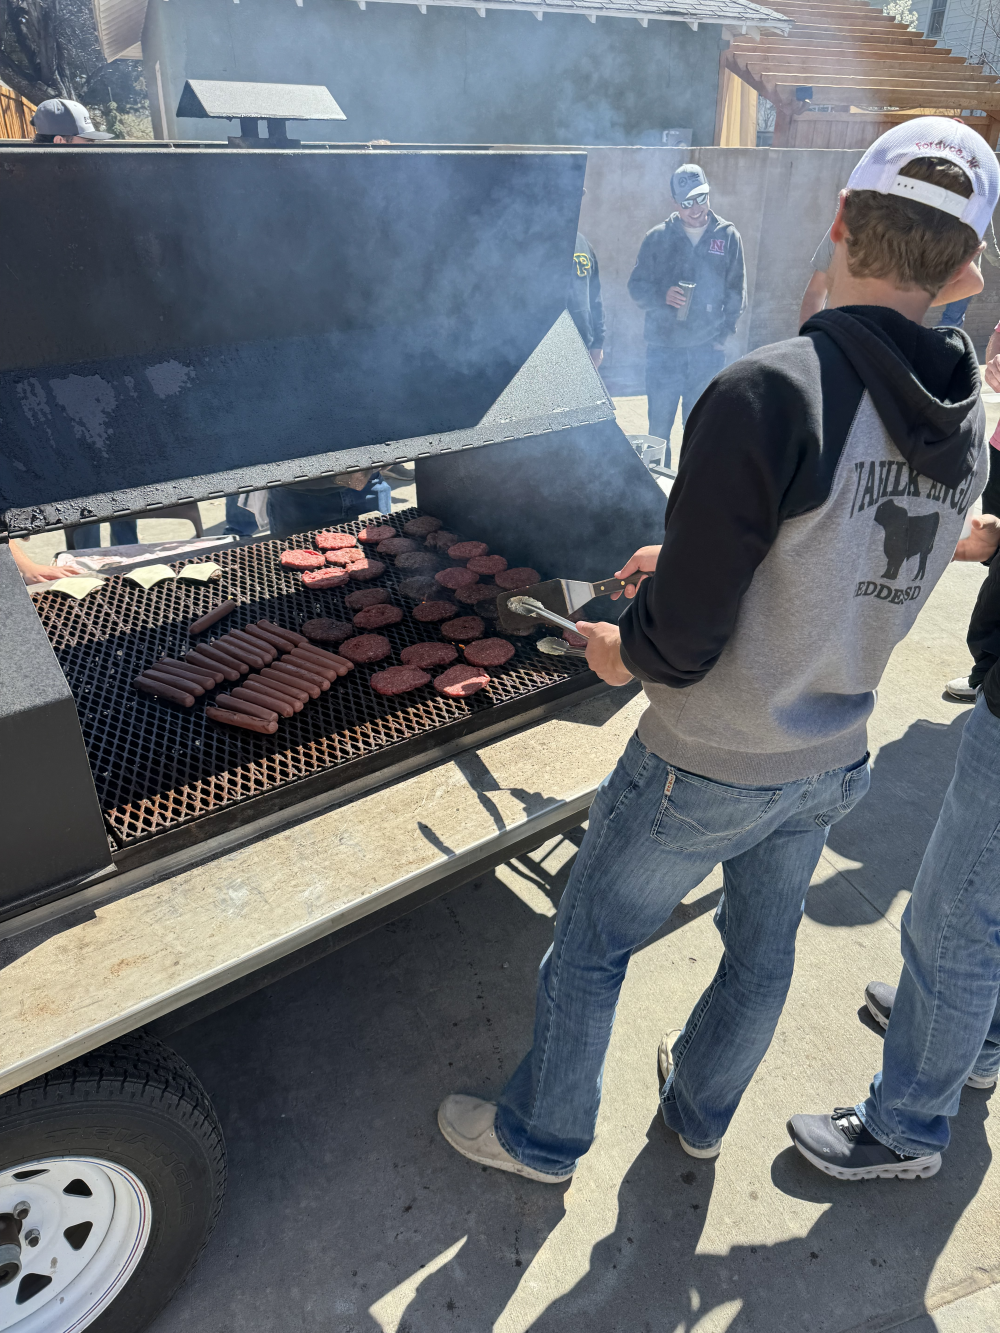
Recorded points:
(476, 592)
(420, 527)
(397, 545)
(335, 541)
(302, 559)
(441, 539)
(376, 533)
(518, 578)
(428, 612)
(461, 681)
(324, 578)
(374, 617)
(429, 654)
(489, 653)
(323, 630)
(398, 680)
(456, 578)
(357, 601)
(418, 560)
(366, 570)
(487, 564)
(467, 550)
(420, 589)
(463, 627)
(345, 555)
(366, 648)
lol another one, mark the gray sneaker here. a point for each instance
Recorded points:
(959, 688)
(664, 1066)
(880, 996)
(467, 1124)
(840, 1146)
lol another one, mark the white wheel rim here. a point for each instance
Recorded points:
(66, 1281)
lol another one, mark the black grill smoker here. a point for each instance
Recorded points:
(181, 324)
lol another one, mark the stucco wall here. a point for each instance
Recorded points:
(781, 200)
(447, 76)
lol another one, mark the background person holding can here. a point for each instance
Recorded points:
(690, 279)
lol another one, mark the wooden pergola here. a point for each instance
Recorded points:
(870, 69)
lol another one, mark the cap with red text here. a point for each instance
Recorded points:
(933, 136)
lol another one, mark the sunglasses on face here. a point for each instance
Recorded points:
(693, 203)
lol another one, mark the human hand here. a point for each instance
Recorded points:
(676, 298)
(644, 559)
(597, 356)
(982, 542)
(992, 375)
(604, 654)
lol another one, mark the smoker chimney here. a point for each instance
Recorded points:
(250, 103)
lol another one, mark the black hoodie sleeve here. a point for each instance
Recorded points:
(596, 305)
(735, 299)
(753, 454)
(645, 284)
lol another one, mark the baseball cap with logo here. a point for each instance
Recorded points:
(688, 182)
(933, 136)
(69, 119)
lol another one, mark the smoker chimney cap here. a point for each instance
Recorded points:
(219, 99)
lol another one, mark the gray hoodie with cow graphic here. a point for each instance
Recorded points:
(823, 486)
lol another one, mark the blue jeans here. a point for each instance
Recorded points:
(945, 1024)
(677, 375)
(953, 315)
(655, 832)
(239, 521)
(88, 535)
(290, 511)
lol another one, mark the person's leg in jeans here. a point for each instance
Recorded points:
(241, 522)
(124, 532)
(953, 315)
(84, 537)
(703, 364)
(665, 370)
(654, 833)
(730, 1028)
(944, 1018)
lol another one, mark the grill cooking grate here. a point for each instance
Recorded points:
(158, 766)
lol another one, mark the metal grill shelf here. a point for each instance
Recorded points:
(164, 773)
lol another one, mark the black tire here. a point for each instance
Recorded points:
(134, 1102)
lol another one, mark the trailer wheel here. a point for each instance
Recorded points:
(112, 1174)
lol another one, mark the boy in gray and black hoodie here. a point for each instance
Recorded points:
(821, 493)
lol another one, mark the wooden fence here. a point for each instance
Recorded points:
(15, 115)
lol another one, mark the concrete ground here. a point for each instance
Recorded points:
(348, 1213)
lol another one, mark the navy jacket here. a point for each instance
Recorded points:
(715, 265)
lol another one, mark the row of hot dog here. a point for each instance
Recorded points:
(287, 671)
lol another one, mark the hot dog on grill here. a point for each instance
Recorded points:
(276, 641)
(183, 683)
(203, 677)
(246, 706)
(207, 621)
(308, 670)
(233, 659)
(270, 701)
(252, 644)
(260, 686)
(329, 663)
(158, 687)
(207, 665)
(286, 685)
(222, 660)
(230, 644)
(292, 634)
(243, 720)
(294, 677)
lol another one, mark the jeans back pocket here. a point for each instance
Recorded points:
(696, 812)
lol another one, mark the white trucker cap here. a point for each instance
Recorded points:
(933, 136)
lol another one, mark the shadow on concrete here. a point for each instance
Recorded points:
(863, 1264)
(886, 833)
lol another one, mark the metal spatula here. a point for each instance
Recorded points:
(561, 596)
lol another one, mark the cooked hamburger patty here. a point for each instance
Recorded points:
(456, 577)
(357, 601)
(429, 654)
(399, 679)
(458, 682)
(303, 559)
(441, 539)
(422, 588)
(522, 577)
(428, 612)
(418, 560)
(324, 630)
(467, 550)
(487, 564)
(489, 652)
(324, 578)
(366, 570)
(375, 533)
(397, 545)
(463, 627)
(420, 527)
(345, 555)
(374, 617)
(366, 648)
(335, 541)
(476, 592)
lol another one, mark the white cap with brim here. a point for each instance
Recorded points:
(933, 136)
(65, 118)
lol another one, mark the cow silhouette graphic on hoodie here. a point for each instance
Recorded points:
(906, 535)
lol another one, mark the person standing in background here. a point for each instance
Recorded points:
(584, 301)
(690, 279)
